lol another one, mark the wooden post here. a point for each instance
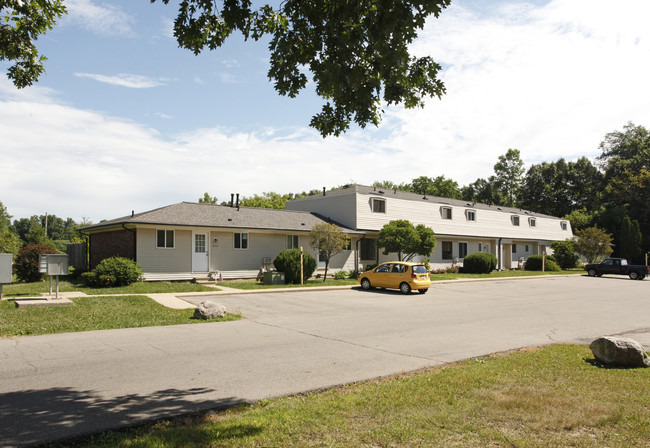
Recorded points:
(543, 260)
(301, 267)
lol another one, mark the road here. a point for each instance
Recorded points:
(58, 386)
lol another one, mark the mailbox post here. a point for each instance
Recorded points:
(53, 265)
(5, 270)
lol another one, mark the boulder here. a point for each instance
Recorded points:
(209, 310)
(623, 352)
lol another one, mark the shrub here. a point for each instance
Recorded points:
(117, 271)
(479, 263)
(452, 270)
(26, 262)
(353, 274)
(565, 254)
(534, 263)
(288, 261)
(340, 275)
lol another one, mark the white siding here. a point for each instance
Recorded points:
(489, 223)
(340, 208)
(164, 260)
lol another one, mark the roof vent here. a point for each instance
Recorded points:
(381, 191)
(132, 213)
(229, 219)
(302, 224)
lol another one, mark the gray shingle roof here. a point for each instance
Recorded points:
(221, 216)
(407, 195)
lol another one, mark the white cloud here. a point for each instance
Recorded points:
(550, 81)
(125, 80)
(229, 78)
(106, 20)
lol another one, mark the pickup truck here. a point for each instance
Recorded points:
(617, 266)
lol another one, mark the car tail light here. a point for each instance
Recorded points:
(413, 275)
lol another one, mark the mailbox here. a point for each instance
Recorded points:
(53, 264)
(5, 268)
(57, 264)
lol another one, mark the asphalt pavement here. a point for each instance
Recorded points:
(55, 387)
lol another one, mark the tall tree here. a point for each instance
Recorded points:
(207, 199)
(593, 243)
(329, 240)
(22, 22)
(483, 191)
(508, 176)
(9, 240)
(358, 52)
(439, 186)
(402, 237)
(629, 240)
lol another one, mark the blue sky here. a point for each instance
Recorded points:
(125, 120)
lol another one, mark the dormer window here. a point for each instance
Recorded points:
(471, 215)
(378, 205)
(515, 220)
(532, 222)
(445, 212)
(564, 225)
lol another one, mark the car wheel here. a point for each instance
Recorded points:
(592, 272)
(365, 284)
(422, 291)
(634, 275)
(405, 288)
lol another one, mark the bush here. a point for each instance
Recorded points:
(288, 261)
(115, 271)
(479, 263)
(340, 275)
(565, 254)
(534, 263)
(26, 262)
(353, 274)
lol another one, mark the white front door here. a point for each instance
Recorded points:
(200, 253)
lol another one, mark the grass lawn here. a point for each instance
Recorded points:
(550, 397)
(92, 313)
(504, 274)
(37, 288)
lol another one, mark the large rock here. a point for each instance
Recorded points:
(209, 310)
(616, 351)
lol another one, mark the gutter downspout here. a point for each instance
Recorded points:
(87, 258)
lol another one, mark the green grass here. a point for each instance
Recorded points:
(92, 313)
(37, 288)
(551, 397)
(252, 284)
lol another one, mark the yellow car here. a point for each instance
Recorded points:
(402, 275)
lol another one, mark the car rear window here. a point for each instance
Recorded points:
(419, 269)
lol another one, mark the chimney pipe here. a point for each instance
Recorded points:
(132, 213)
(323, 191)
(237, 205)
(232, 198)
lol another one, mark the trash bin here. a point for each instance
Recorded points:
(274, 278)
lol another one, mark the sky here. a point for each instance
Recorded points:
(124, 120)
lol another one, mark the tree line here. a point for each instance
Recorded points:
(609, 196)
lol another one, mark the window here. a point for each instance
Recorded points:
(532, 222)
(564, 225)
(241, 240)
(515, 220)
(447, 251)
(527, 248)
(378, 206)
(514, 248)
(165, 239)
(462, 250)
(445, 212)
(480, 247)
(471, 215)
(292, 242)
(368, 250)
(383, 268)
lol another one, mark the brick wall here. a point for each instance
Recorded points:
(119, 243)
